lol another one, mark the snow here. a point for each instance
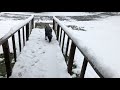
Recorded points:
(20, 13)
(13, 25)
(1, 59)
(98, 24)
(18, 26)
(10, 26)
(40, 59)
(100, 43)
(107, 32)
(5, 28)
(6, 25)
(102, 49)
(56, 13)
(1, 76)
(65, 13)
(109, 37)
(47, 21)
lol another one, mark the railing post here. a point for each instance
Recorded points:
(71, 58)
(60, 37)
(14, 47)
(27, 32)
(83, 68)
(67, 49)
(63, 41)
(54, 26)
(30, 27)
(32, 23)
(19, 40)
(6, 52)
(23, 36)
(58, 28)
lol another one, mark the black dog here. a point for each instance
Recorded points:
(48, 33)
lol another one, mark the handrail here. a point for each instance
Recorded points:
(27, 25)
(15, 29)
(103, 72)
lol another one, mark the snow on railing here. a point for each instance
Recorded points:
(15, 29)
(27, 25)
(89, 56)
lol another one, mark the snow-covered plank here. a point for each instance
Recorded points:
(40, 59)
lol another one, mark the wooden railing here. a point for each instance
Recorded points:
(27, 25)
(59, 28)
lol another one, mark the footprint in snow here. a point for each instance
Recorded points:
(42, 52)
(39, 40)
(39, 48)
(22, 67)
(33, 51)
(33, 56)
(36, 61)
(32, 64)
(20, 74)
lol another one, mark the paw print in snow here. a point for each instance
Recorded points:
(20, 74)
(33, 51)
(32, 64)
(36, 61)
(39, 48)
(22, 67)
(42, 52)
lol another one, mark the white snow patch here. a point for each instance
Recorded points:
(1, 59)
(5, 26)
(1, 76)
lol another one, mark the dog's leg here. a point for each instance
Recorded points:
(45, 37)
